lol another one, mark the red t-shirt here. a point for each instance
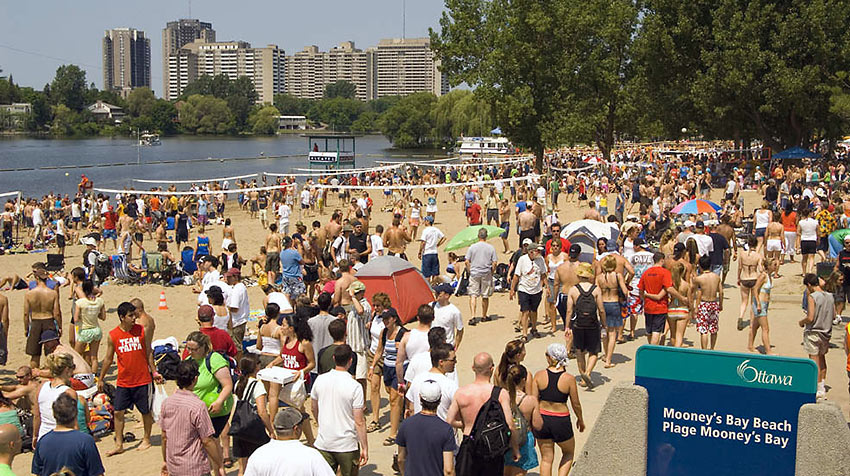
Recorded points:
(109, 219)
(221, 341)
(133, 370)
(565, 246)
(473, 212)
(653, 281)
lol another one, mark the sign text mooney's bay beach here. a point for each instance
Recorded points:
(753, 430)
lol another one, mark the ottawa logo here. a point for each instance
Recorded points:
(750, 374)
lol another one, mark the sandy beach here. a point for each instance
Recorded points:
(489, 337)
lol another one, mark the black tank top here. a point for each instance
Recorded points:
(551, 393)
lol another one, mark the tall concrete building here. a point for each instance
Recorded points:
(405, 66)
(126, 60)
(175, 36)
(310, 70)
(265, 66)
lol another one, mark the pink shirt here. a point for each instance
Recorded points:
(185, 422)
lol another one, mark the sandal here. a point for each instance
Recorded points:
(390, 441)
(373, 426)
(474, 321)
(228, 463)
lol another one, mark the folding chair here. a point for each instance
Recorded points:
(55, 262)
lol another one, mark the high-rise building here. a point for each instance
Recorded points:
(126, 60)
(405, 66)
(310, 70)
(175, 36)
(264, 66)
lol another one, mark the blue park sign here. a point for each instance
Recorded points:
(714, 413)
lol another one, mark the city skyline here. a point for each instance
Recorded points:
(32, 59)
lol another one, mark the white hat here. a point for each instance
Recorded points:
(689, 223)
(87, 240)
(527, 241)
(430, 391)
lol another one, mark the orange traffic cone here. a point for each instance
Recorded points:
(163, 306)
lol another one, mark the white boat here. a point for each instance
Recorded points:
(484, 147)
(149, 139)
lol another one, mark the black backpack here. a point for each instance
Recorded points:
(234, 369)
(491, 435)
(166, 359)
(585, 309)
(463, 284)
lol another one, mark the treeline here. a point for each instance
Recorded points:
(559, 71)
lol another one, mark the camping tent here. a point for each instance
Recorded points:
(586, 233)
(796, 153)
(404, 284)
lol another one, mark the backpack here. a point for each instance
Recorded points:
(166, 359)
(463, 284)
(102, 267)
(491, 435)
(234, 369)
(585, 309)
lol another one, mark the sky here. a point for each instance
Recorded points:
(38, 36)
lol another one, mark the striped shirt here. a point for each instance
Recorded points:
(358, 337)
(185, 422)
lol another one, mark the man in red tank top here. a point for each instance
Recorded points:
(136, 371)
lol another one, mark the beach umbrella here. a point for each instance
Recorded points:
(469, 236)
(693, 207)
(402, 282)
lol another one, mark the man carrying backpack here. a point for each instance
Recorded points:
(484, 412)
(584, 306)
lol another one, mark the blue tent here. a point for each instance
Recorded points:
(497, 131)
(796, 153)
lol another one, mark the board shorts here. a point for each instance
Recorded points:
(587, 340)
(37, 326)
(128, 397)
(60, 241)
(815, 343)
(110, 234)
(561, 307)
(708, 313)
(311, 273)
(808, 247)
(613, 314)
(527, 454)
(430, 265)
(529, 302)
(481, 286)
(635, 305)
(557, 427)
(89, 335)
(273, 261)
(654, 322)
(492, 214)
(505, 226)
(293, 287)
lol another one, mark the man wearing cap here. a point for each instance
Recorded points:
(359, 241)
(357, 330)
(41, 312)
(339, 247)
(188, 444)
(338, 405)
(640, 261)
(430, 239)
(293, 272)
(473, 212)
(482, 260)
(687, 232)
(426, 443)
(447, 315)
(705, 245)
(443, 360)
(220, 340)
(528, 280)
(239, 306)
(299, 459)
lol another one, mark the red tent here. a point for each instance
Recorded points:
(404, 284)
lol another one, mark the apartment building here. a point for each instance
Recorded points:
(405, 66)
(126, 60)
(310, 70)
(175, 36)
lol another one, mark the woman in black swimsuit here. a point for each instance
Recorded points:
(553, 387)
(749, 268)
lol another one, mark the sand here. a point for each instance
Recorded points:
(489, 337)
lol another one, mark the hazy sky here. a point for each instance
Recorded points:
(40, 35)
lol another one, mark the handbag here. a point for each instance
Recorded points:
(246, 424)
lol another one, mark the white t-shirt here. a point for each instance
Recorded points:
(37, 216)
(449, 318)
(338, 395)
(283, 213)
(300, 460)
(376, 327)
(531, 274)
(206, 285)
(340, 244)
(431, 235)
(808, 229)
(281, 300)
(705, 244)
(377, 246)
(305, 197)
(259, 389)
(238, 299)
(447, 386)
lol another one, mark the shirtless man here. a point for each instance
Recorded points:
(253, 201)
(341, 296)
(505, 221)
(161, 235)
(145, 319)
(466, 404)
(526, 221)
(396, 239)
(83, 377)
(4, 331)
(333, 228)
(592, 213)
(729, 233)
(41, 312)
(774, 239)
(273, 248)
(708, 294)
(25, 392)
(565, 280)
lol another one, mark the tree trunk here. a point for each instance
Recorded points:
(538, 157)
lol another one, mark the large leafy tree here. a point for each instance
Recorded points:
(337, 113)
(206, 115)
(264, 121)
(140, 101)
(239, 94)
(69, 87)
(341, 89)
(408, 123)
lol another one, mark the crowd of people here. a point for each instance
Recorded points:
(655, 273)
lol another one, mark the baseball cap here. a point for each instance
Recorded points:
(678, 247)
(206, 311)
(430, 391)
(575, 250)
(689, 223)
(447, 288)
(847, 238)
(700, 224)
(639, 242)
(355, 223)
(233, 272)
(429, 219)
(347, 227)
(527, 241)
(288, 418)
(48, 335)
(88, 241)
(337, 310)
(357, 286)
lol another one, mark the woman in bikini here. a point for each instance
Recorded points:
(678, 313)
(749, 268)
(761, 300)
(612, 284)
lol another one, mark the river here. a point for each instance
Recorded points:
(30, 164)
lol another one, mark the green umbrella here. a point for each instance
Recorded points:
(469, 236)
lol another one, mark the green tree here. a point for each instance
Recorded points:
(239, 94)
(340, 89)
(140, 101)
(163, 115)
(381, 104)
(206, 115)
(289, 105)
(265, 121)
(408, 123)
(69, 87)
(41, 112)
(64, 120)
(336, 113)
(461, 112)
(366, 122)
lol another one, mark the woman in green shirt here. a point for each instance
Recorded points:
(214, 387)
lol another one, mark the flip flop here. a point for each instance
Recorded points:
(390, 441)
(474, 321)
(373, 426)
